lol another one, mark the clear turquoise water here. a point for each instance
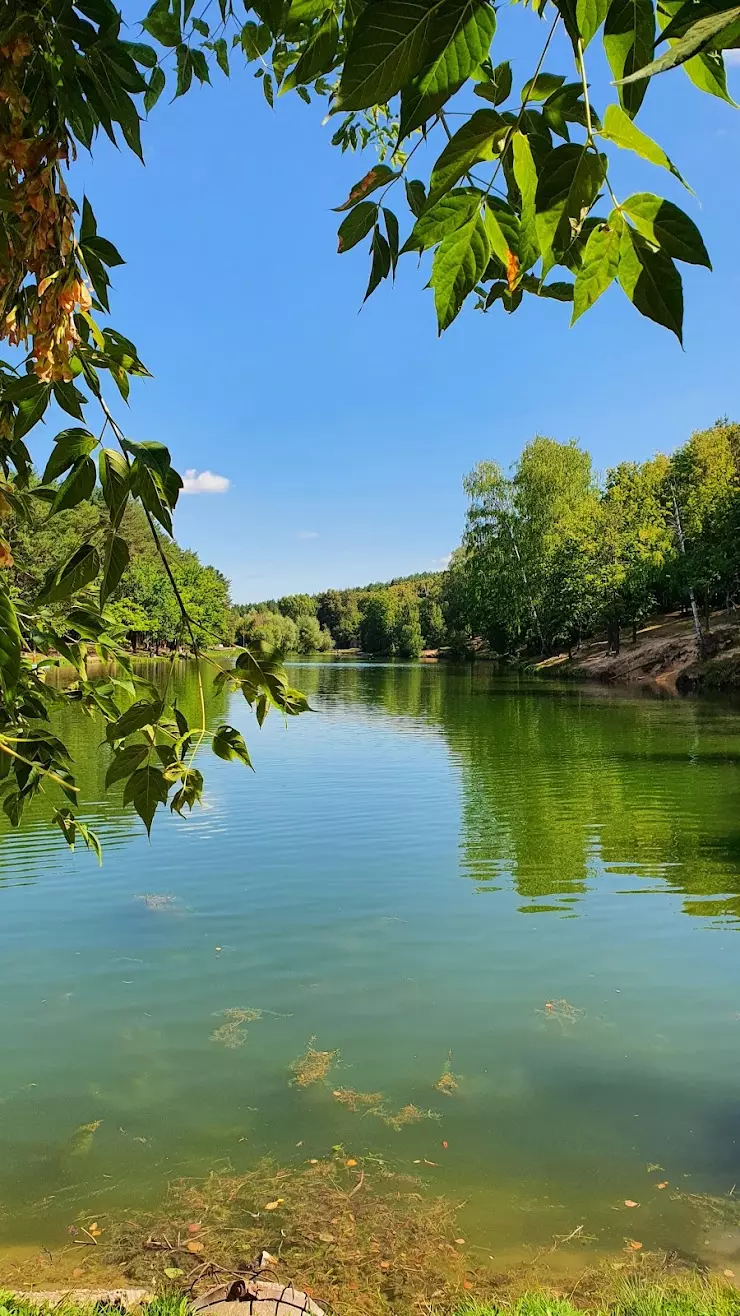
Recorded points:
(417, 868)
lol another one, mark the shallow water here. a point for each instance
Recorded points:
(540, 881)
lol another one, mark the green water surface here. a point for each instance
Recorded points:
(539, 880)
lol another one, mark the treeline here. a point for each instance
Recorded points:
(399, 618)
(552, 554)
(143, 604)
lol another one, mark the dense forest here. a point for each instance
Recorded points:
(551, 554)
(143, 604)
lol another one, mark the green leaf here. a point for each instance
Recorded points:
(115, 563)
(497, 88)
(539, 88)
(222, 56)
(651, 281)
(556, 291)
(200, 66)
(78, 571)
(462, 37)
(144, 55)
(389, 46)
(708, 31)
(569, 183)
(268, 90)
(104, 250)
(68, 447)
(163, 24)
(154, 90)
(629, 40)
(357, 225)
(77, 487)
(229, 744)
(143, 713)
(381, 265)
(667, 227)
(476, 140)
(525, 176)
(599, 265)
(70, 826)
(377, 177)
(272, 13)
(124, 762)
(590, 14)
(190, 791)
(500, 238)
(619, 128)
(184, 70)
(708, 72)
(391, 229)
(114, 479)
(415, 195)
(459, 263)
(146, 788)
(69, 398)
(437, 221)
(31, 408)
(318, 57)
(10, 643)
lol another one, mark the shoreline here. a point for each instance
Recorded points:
(664, 658)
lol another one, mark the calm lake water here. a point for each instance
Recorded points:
(540, 881)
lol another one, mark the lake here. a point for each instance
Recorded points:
(531, 887)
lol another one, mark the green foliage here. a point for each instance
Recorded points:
(550, 556)
(378, 623)
(296, 605)
(408, 640)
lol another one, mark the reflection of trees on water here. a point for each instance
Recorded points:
(561, 782)
(22, 849)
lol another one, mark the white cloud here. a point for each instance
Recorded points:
(732, 56)
(308, 534)
(197, 482)
(442, 562)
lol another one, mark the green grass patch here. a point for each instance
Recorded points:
(680, 1295)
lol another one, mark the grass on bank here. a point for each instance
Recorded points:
(679, 1296)
(689, 1295)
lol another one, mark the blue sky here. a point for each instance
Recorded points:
(344, 436)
